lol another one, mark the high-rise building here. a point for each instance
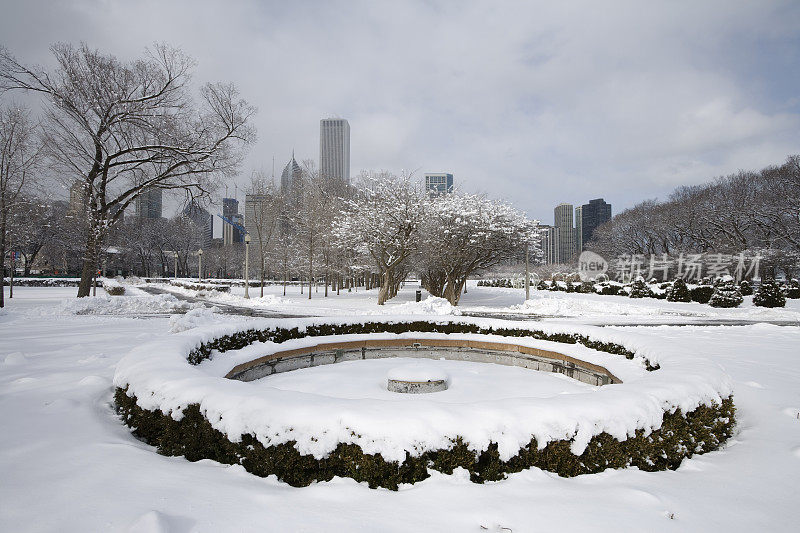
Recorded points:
(203, 220)
(334, 149)
(549, 239)
(230, 233)
(77, 199)
(594, 214)
(562, 215)
(149, 202)
(439, 183)
(579, 229)
(291, 176)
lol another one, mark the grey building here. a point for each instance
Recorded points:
(149, 203)
(579, 229)
(334, 149)
(438, 183)
(594, 214)
(203, 220)
(562, 216)
(291, 176)
(549, 239)
(230, 210)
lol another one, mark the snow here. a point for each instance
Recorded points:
(68, 464)
(419, 372)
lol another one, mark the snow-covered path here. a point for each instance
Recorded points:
(67, 464)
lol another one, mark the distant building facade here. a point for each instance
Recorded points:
(334, 149)
(579, 229)
(562, 219)
(203, 220)
(437, 184)
(149, 203)
(77, 199)
(291, 177)
(549, 239)
(230, 210)
(594, 214)
(253, 209)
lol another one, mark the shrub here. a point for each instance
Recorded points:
(793, 289)
(702, 294)
(114, 290)
(587, 287)
(726, 294)
(610, 290)
(746, 288)
(639, 289)
(769, 294)
(679, 292)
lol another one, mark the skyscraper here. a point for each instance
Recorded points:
(149, 202)
(290, 178)
(550, 244)
(579, 229)
(334, 148)
(203, 220)
(562, 215)
(594, 214)
(439, 183)
(230, 210)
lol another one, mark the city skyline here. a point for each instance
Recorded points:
(679, 94)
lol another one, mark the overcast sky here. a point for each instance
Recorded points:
(534, 102)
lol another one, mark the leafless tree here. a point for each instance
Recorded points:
(20, 156)
(122, 128)
(264, 206)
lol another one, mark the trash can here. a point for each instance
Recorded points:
(419, 296)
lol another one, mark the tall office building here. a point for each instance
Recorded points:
(291, 176)
(579, 229)
(437, 184)
(77, 199)
(566, 238)
(230, 210)
(149, 203)
(334, 149)
(203, 220)
(594, 214)
(550, 244)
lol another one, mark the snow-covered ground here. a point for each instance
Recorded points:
(68, 464)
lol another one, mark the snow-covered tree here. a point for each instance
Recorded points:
(463, 234)
(383, 222)
(264, 210)
(639, 289)
(121, 128)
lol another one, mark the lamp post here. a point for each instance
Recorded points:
(247, 265)
(200, 264)
(175, 275)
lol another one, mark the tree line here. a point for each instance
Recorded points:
(752, 212)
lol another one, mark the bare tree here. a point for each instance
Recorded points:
(121, 128)
(263, 206)
(20, 153)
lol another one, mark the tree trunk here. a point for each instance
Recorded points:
(383, 294)
(87, 271)
(2, 262)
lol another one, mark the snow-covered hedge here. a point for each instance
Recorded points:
(652, 420)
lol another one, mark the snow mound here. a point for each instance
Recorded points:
(417, 372)
(432, 305)
(202, 316)
(120, 305)
(575, 307)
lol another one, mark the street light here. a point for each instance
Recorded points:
(200, 264)
(247, 265)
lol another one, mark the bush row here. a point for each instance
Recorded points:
(238, 340)
(200, 286)
(43, 282)
(681, 435)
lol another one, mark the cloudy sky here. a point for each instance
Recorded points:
(534, 102)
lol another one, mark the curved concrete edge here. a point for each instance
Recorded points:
(454, 349)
